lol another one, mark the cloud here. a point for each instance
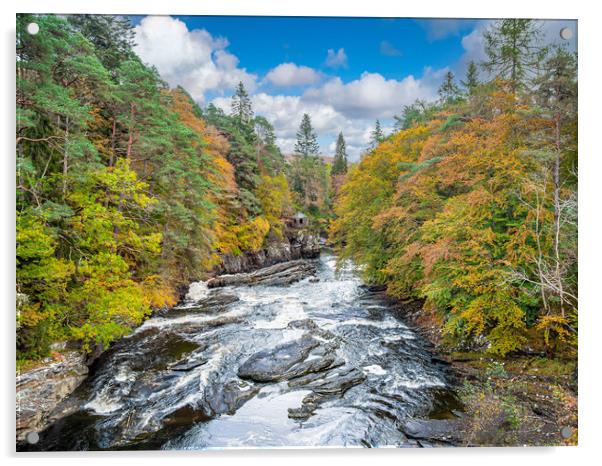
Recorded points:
(193, 59)
(289, 74)
(336, 106)
(336, 59)
(437, 29)
(373, 96)
(387, 49)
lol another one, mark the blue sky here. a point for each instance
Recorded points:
(344, 72)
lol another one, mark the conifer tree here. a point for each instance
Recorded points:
(307, 141)
(242, 110)
(512, 49)
(472, 78)
(340, 156)
(449, 90)
(376, 136)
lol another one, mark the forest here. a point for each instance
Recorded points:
(128, 190)
(471, 204)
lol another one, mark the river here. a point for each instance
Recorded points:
(320, 362)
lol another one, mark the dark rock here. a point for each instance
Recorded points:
(276, 275)
(228, 397)
(41, 390)
(274, 364)
(213, 304)
(297, 245)
(339, 382)
(186, 416)
(439, 430)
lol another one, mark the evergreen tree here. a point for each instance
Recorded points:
(472, 78)
(449, 91)
(512, 50)
(112, 37)
(307, 141)
(242, 110)
(340, 156)
(376, 136)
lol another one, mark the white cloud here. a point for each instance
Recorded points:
(373, 96)
(193, 59)
(336, 59)
(290, 74)
(348, 107)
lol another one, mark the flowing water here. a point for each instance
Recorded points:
(176, 383)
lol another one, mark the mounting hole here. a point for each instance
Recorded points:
(32, 438)
(566, 432)
(566, 33)
(33, 28)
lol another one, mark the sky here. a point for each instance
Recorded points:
(344, 72)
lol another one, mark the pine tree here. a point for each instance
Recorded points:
(449, 90)
(472, 78)
(112, 37)
(340, 156)
(376, 136)
(307, 141)
(242, 110)
(512, 50)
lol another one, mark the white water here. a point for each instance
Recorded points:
(134, 389)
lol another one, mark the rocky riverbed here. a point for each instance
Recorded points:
(292, 355)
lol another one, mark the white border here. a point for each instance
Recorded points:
(590, 211)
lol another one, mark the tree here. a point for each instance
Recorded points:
(512, 50)
(448, 91)
(417, 112)
(557, 95)
(307, 141)
(269, 157)
(376, 136)
(242, 111)
(340, 157)
(112, 37)
(472, 78)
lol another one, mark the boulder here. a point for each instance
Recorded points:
(275, 364)
(276, 275)
(41, 390)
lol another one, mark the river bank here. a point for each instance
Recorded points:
(519, 400)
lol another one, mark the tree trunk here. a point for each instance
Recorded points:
(556, 175)
(66, 158)
(131, 135)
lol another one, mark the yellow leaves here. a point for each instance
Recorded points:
(251, 235)
(157, 293)
(553, 327)
(274, 195)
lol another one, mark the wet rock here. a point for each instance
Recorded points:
(40, 390)
(274, 364)
(337, 383)
(276, 275)
(433, 430)
(213, 304)
(228, 397)
(186, 416)
(187, 365)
